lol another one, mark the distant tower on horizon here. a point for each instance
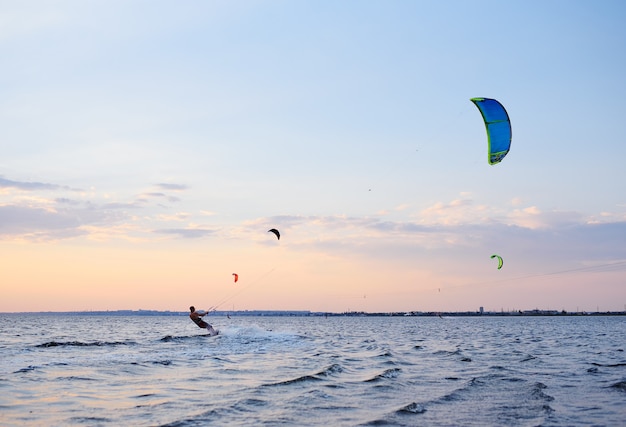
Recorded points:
(482, 310)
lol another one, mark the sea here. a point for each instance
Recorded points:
(72, 370)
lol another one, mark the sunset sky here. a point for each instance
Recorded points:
(148, 146)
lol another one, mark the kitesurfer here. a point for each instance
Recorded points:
(197, 315)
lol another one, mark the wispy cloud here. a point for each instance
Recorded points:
(46, 223)
(30, 214)
(460, 226)
(29, 221)
(172, 187)
(31, 186)
(158, 195)
(532, 217)
(177, 217)
(187, 233)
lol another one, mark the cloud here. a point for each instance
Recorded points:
(179, 216)
(121, 205)
(187, 233)
(601, 241)
(157, 195)
(351, 234)
(459, 211)
(532, 217)
(172, 187)
(65, 218)
(604, 217)
(445, 230)
(46, 224)
(65, 200)
(31, 216)
(19, 220)
(31, 186)
(458, 226)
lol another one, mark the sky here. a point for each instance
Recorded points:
(148, 146)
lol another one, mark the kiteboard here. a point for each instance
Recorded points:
(212, 333)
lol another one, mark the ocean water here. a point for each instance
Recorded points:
(60, 370)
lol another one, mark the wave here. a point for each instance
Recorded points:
(82, 344)
(326, 372)
(412, 408)
(331, 370)
(452, 353)
(608, 365)
(248, 334)
(90, 420)
(530, 405)
(257, 333)
(457, 352)
(75, 378)
(621, 386)
(528, 357)
(447, 352)
(26, 369)
(175, 338)
(387, 374)
(302, 379)
(249, 402)
(537, 392)
(142, 396)
(396, 418)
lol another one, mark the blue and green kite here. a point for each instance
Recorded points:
(498, 128)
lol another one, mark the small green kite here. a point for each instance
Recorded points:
(500, 262)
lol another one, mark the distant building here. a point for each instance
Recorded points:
(482, 310)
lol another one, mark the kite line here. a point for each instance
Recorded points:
(225, 300)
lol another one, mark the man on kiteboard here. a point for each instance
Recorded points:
(197, 315)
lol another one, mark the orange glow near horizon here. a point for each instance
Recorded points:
(47, 277)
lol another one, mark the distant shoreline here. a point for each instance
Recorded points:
(305, 313)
